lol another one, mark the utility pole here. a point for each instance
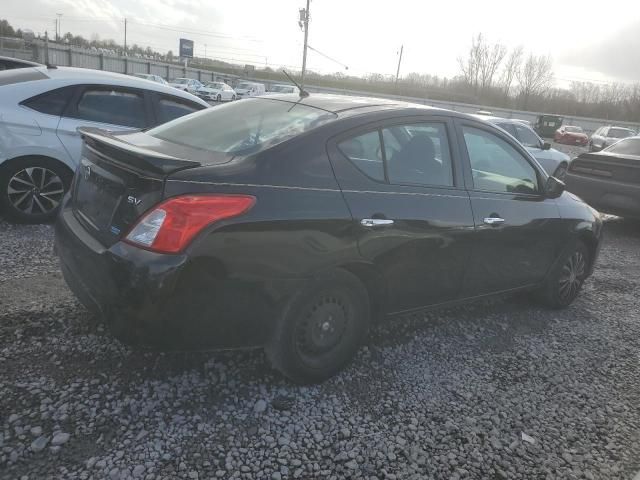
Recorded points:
(125, 36)
(205, 51)
(304, 23)
(59, 27)
(399, 61)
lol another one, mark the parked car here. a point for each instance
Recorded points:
(609, 180)
(553, 161)
(284, 89)
(153, 78)
(218, 91)
(571, 135)
(608, 135)
(249, 89)
(290, 223)
(546, 125)
(186, 85)
(9, 63)
(40, 111)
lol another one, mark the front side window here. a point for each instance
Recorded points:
(527, 137)
(243, 128)
(497, 166)
(53, 102)
(629, 146)
(364, 151)
(113, 106)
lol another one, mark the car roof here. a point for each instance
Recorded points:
(493, 119)
(55, 77)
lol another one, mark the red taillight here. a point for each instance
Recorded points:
(172, 224)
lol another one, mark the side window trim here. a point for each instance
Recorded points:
(466, 161)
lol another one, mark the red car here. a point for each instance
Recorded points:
(571, 136)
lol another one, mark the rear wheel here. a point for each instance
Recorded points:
(233, 97)
(564, 283)
(218, 98)
(320, 328)
(32, 189)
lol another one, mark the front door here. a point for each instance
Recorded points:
(518, 229)
(412, 216)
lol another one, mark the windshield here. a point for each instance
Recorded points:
(180, 80)
(243, 127)
(629, 146)
(619, 133)
(282, 89)
(573, 129)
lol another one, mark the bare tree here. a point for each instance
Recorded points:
(491, 57)
(470, 66)
(511, 68)
(534, 76)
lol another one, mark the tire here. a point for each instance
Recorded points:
(566, 280)
(32, 188)
(233, 98)
(218, 98)
(320, 328)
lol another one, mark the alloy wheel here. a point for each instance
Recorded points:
(572, 275)
(35, 190)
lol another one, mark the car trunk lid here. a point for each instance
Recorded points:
(604, 165)
(122, 176)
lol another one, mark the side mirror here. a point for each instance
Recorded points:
(554, 187)
(546, 146)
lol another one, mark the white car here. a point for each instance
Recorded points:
(153, 78)
(190, 85)
(250, 89)
(218, 91)
(284, 89)
(40, 111)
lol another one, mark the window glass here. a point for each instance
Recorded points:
(527, 137)
(420, 154)
(170, 109)
(114, 106)
(245, 127)
(364, 153)
(53, 102)
(509, 128)
(496, 165)
(619, 133)
(629, 146)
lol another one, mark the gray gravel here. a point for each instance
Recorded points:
(500, 390)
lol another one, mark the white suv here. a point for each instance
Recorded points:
(40, 111)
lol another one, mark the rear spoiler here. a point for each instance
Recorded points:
(143, 159)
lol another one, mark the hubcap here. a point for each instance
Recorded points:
(323, 326)
(572, 276)
(35, 190)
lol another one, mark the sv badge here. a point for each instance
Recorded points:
(133, 200)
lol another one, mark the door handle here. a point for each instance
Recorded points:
(493, 221)
(375, 222)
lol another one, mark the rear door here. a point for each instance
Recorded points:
(518, 230)
(102, 106)
(402, 181)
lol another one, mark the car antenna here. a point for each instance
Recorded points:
(303, 92)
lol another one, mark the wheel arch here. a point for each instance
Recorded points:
(21, 158)
(375, 285)
(591, 242)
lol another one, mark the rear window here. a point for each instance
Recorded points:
(619, 133)
(19, 75)
(630, 146)
(243, 127)
(53, 102)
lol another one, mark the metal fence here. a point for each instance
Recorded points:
(75, 57)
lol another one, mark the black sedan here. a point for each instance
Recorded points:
(292, 223)
(609, 180)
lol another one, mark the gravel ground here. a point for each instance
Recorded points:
(499, 390)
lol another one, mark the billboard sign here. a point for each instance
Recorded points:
(186, 48)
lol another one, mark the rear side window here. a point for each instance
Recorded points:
(509, 128)
(53, 102)
(19, 75)
(112, 105)
(171, 108)
(415, 154)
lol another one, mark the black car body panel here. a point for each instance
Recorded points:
(227, 287)
(607, 181)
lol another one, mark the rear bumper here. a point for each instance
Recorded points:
(606, 196)
(171, 301)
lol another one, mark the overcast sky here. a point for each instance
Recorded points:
(587, 42)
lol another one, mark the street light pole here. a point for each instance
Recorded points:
(59, 27)
(399, 61)
(304, 19)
